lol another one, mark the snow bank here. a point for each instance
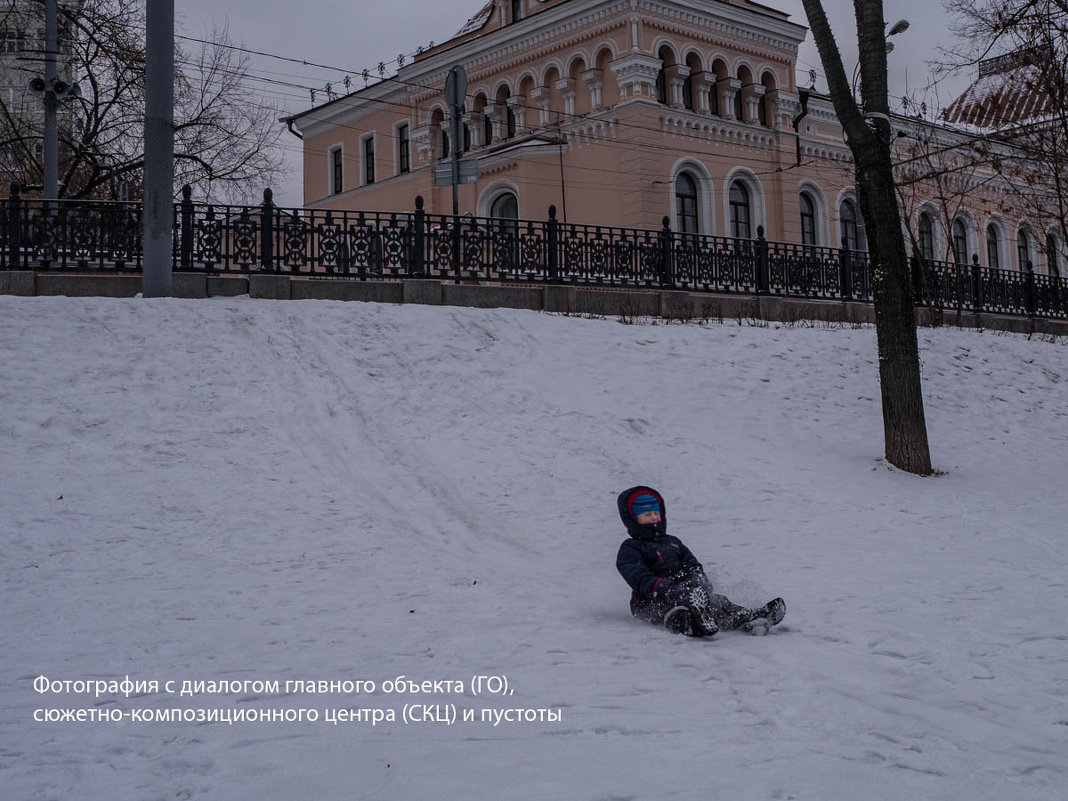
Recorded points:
(253, 491)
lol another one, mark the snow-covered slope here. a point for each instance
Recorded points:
(254, 491)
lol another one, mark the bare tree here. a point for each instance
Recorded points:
(1021, 47)
(868, 135)
(226, 138)
(942, 169)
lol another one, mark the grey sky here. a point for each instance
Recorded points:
(357, 35)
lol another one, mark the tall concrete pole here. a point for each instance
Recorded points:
(159, 150)
(51, 130)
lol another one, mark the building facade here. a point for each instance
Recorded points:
(622, 112)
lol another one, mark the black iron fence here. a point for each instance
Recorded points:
(101, 236)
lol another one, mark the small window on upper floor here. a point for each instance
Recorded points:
(337, 174)
(369, 159)
(517, 10)
(404, 158)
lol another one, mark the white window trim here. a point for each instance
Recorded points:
(815, 192)
(757, 209)
(705, 195)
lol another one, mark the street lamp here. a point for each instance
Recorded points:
(51, 89)
(900, 26)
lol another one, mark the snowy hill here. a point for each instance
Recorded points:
(255, 492)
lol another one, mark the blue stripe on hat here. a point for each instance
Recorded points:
(644, 502)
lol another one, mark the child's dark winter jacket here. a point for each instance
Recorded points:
(650, 558)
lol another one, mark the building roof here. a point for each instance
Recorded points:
(477, 21)
(1008, 92)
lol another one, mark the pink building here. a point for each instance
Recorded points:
(619, 112)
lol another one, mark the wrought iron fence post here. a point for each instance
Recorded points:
(977, 283)
(418, 266)
(553, 237)
(267, 230)
(917, 281)
(845, 270)
(457, 259)
(667, 252)
(763, 277)
(186, 227)
(1029, 290)
(13, 214)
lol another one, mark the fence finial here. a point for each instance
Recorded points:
(667, 222)
(552, 212)
(268, 196)
(187, 192)
(419, 202)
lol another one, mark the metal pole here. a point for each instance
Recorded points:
(51, 130)
(456, 142)
(159, 150)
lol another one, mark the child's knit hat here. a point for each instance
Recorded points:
(644, 502)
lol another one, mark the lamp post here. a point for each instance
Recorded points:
(51, 90)
(158, 258)
(900, 26)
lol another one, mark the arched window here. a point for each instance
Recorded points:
(505, 207)
(960, 243)
(510, 123)
(993, 260)
(739, 113)
(444, 143)
(1051, 256)
(505, 212)
(850, 227)
(1023, 250)
(713, 98)
(740, 217)
(487, 130)
(517, 10)
(686, 204)
(927, 247)
(808, 220)
(667, 59)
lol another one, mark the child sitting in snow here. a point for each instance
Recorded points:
(669, 585)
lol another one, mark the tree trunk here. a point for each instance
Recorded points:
(904, 422)
(868, 134)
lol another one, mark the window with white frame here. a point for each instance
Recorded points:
(686, 210)
(993, 257)
(337, 170)
(808, 219)
(926, 235)
(960, 242)
(367, 159)
(404, 156)
(1053, 267)
(1023, 250)
(850, 225)
(740, 210)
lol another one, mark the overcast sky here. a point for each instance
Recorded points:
(352, 36)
